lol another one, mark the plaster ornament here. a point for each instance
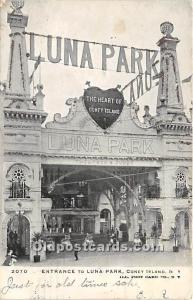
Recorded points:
(17, 4)
(149, 122)
(166, 28)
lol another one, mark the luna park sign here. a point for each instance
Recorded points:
(80, 53)
(104, 107)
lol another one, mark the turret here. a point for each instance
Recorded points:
(170, 116)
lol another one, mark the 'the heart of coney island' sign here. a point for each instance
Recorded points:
(103, 106)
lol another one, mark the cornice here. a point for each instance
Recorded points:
(183, 127)
(89, 157)
(15, 114)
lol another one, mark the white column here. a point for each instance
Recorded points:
(82, 225)
(168, 218)
(97, 224)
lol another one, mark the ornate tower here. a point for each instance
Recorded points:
(169, 92)
(23, 116)
(174, 128)
(17, 89)
(170, 111)
(18, 86)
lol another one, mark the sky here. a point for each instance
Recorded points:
(126, 23)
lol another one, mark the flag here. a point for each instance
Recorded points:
(157, 76)
(155, 63)
(188, 79)
(37, 63)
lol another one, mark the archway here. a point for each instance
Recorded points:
(75, 192)
(182, 223)
(18, 235)
(105, 221)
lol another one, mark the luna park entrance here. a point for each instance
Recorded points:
(77, 204)
(18, 235)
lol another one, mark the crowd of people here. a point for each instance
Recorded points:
(140, 238)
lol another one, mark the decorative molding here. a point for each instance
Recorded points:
(37, 116)
(126, 158)
(72, 102)
(169, 126)
(149, 123)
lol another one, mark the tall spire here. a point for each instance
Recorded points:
(169, 91)
(18, 78)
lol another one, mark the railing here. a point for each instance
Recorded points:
(19, 190)
(70, 203)
(181, 192)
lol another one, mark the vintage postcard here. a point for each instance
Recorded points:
(96, 178)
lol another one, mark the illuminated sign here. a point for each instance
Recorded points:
(104, 107)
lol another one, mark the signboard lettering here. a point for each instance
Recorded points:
(81, 144)
(104, 107)
(127, 59)
(130, 146)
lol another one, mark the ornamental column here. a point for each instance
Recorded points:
(18, 78)
(169, 91)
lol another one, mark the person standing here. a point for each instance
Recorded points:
(144, 237)
(112, 230)
(10, 259)
(15, 243)
(70, 229)
(117, 233)
(76, 250)
(141, 236)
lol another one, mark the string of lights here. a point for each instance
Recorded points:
(123, 176)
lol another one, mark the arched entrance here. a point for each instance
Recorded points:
(18, 235)
(105, 221)
(76, 198)
(182, 224)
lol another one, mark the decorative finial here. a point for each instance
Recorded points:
(40, 87)
(166, 28)
(87, 83)
(17, 5)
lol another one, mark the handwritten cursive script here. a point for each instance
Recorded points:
(11, 285)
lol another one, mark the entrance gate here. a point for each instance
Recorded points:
(18, 235)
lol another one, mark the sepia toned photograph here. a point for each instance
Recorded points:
(96, 173)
